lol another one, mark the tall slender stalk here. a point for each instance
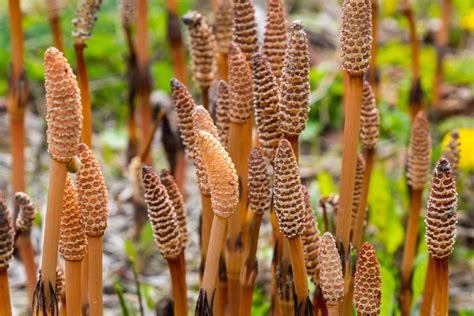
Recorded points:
(53, 8)
(441, 219)
(144, 88)
(441, 46)
(64, 121)
(373, 73)
(16, 104)
(223, 31)
(419, 157)
(223, 182)
(416, 91)
(6, 254)
(93, 201)
(428, 290)
(260, 202)
(356, 24)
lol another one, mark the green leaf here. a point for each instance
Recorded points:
(388, 289)
(130, 250)
(326, 183)
(119, 291)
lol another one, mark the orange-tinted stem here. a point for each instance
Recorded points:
(83, 81)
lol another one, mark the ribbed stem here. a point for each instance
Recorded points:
(373, 70)
(27, 254)
(409, 251)
(441, 298)
(56, 30)
(207, 216)
(95, 275)
(73, 287)
(83, 81)
(5, 302)
(178, 279)
(427, 301)
(299, 271)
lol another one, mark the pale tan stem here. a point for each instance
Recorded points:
(211, 269)
(441, 297)
(27, 254)
(427, 300)
(358, 234)
(333, 309)
(409, 251)
(222, 66)
(5, 301)
(299, 270)
(84, 284)
(73, 287)
(207, 216)
(178, 280)
(49, 259)
(352, 105)
(95, 275)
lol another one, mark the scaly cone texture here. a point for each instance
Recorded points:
(221, 173)
(222, 112)
(73, 241)
(6, 235)
(176, 197)
(453, 153)
(288, 197)
(330, 270)
(60, 284)
(184, 106)
(266, 98)
(369, 118)
(63, 106)
(294, 103)
(26, 214)
(86, 16)
(275, 37)
(259, 183)
(359, 179)
(356, 36)
(202, 47)
(127, 12)
(223, 25)
(52, 8)
(441, 217)
(240, 86)
(311, 239)
(367, 281)
(245, 33)
(202, 121)
(92, 192)
(162, 215)
(419, 152)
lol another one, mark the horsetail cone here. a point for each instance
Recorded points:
(441, 217)
(52, 8)
(86, 16)
(240, 86)
(162, 215)
(203, 48)
(259, 183)
(276, 36)
(294, 103)
(223, 25)
(26, 213)
(202, 121)
(245, 33)
(221, 174)
(367, 282)
(127, 12)
(265, 103)
(6, 235)
(419, 152)
(356, 36)
(176, 198)
(60, 284)
(330, 270)
(184, 106)
(359, 179)
(311, 239)
(453, 153)
(92, 192)
(288, 197)
(369, 118)
(222, 112)
(72, 239)
(63, 107)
